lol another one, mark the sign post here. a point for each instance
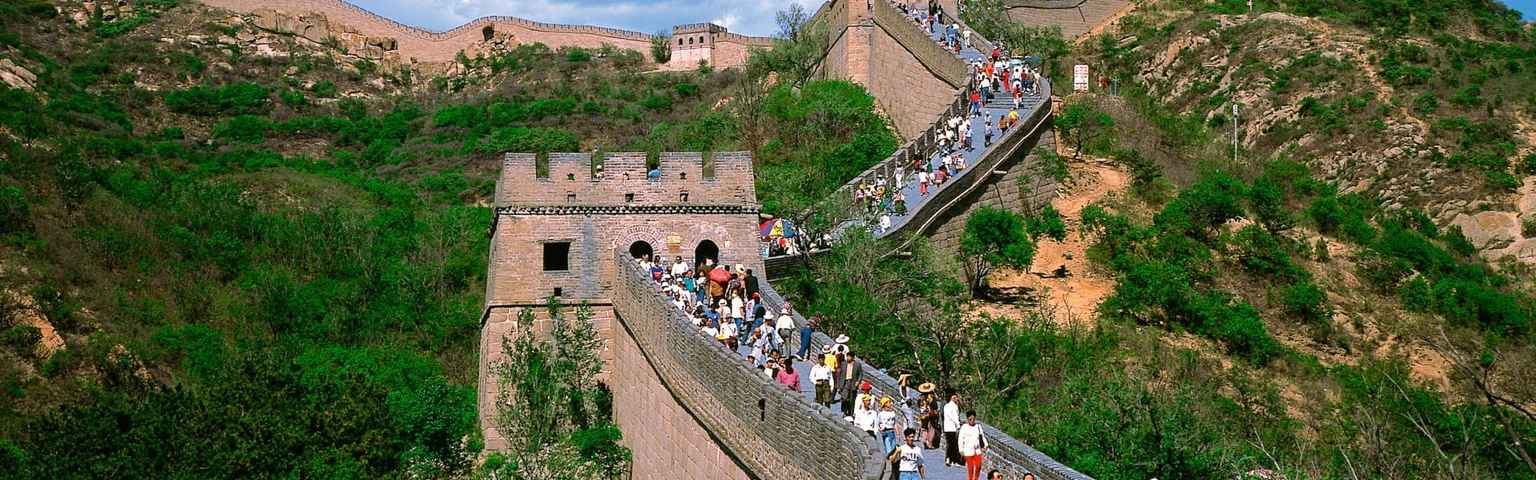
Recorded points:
(1079, 78)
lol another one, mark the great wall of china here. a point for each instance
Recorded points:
(689, 408)
(348, 24)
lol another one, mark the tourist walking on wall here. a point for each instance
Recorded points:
(952, 431)
(972, 446)
(909, 458)
(786, 324)
(821, 378)
(885, 419)
(788, 377)
(805, 335)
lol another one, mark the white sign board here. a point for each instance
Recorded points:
(1080, 78)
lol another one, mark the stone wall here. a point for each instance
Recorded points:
(773, 432)
(667, 441)
(1005, 453)
(1075, 17)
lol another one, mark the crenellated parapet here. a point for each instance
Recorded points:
(683, 179)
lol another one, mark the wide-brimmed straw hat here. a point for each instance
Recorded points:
(902, 380)
(841, 339)
(928, 387)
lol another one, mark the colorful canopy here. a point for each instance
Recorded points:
(776, 228)
(719, 275)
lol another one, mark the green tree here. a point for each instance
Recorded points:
(994, 237)
(553, 413)
(661, 47)
(1084, 125)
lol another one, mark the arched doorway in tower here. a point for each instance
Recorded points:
(707, 250)
(640, 249)
(488, 32)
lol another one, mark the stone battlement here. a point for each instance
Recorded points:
(572, 179)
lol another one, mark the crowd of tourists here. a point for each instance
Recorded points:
(993, 75)
(726, 305)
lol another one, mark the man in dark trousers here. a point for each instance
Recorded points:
(851, 372)
(752, 287)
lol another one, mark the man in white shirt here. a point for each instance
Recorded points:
(972, 446)
(952, 431)
(909, 458)
(821, 377)
(786, 324)
(864, 417)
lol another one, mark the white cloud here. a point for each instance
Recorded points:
(751, 17)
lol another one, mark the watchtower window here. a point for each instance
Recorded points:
(570, 197)
(629, 197)
(557, 256)
(679, 40)
(683, 197)
(570, 176)
(682, 175)
(558, 291)
(488, 32)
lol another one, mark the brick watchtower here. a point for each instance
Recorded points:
(559, 221)
(695, 42)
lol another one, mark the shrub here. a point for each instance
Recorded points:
(243, 128)
(1501, 180)
(686, 89)
(458, 116)
(21, 338)
(1528, 228)
(576, 55)
(1305, 301)
(293, 98)
(232, 99)
(1263, 254)
(657, 102)
(325, 89)
(1528, 167)
(15, 212)
(1426, 104)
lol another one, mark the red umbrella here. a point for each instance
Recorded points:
(719, 275)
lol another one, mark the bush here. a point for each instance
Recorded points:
(657, 102)
(232, 99)
(1305, 301)
(15, 212)
(1261, 253)
(1528, 167)
(22, 339)
(576, 55)
(325, 89)
(243, 128)
(293, 98)
(522, 139)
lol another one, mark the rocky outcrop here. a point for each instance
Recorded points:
(1489, 230)
(16, 76)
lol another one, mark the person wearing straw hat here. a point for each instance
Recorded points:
(821, 377)
(928, 414)
(885, 420)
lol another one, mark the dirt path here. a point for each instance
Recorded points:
(1073, 298)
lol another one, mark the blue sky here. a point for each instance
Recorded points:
(751, 17)
(1526, 7)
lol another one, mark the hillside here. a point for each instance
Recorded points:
(243, 252)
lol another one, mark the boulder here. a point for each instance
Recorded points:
(1489, 230)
